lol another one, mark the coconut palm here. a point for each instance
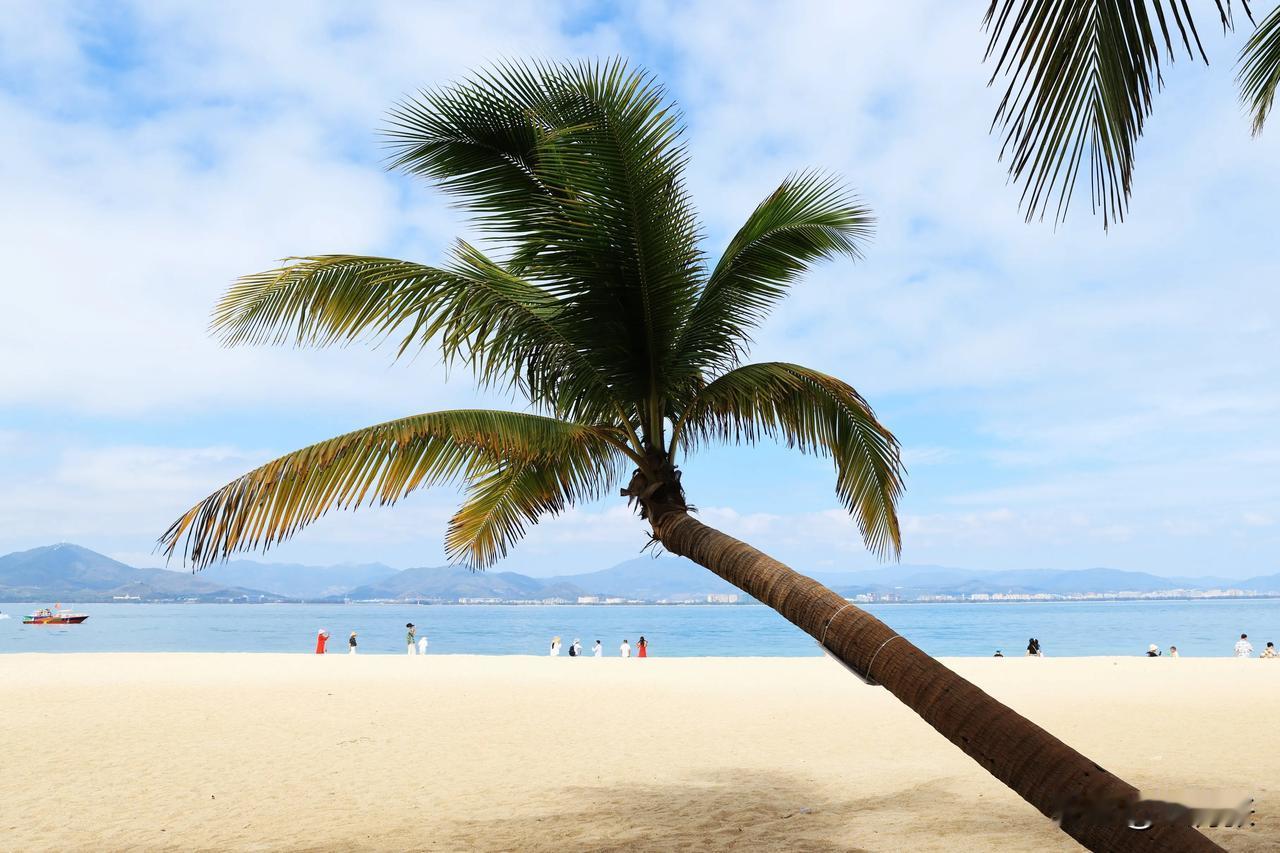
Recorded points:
(597, 306)
(1081, 76)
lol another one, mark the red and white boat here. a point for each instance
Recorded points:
(57, 616)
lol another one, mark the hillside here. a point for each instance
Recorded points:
(652, 578)
(453, 582)
(72, 573)
(294, 580)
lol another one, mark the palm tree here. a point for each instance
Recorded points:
(1081, 78)
(603, 313)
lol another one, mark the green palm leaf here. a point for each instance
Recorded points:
(1259, 76)
(1082, 74)
(812, 412)
(383, 463)
(505, 328)
(502, 501)
(808, 218)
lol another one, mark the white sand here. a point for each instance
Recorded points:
(298, 752)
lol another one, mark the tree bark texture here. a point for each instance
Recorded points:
(1093, 806)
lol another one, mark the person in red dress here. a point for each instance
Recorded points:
(643, 647)
(322, 637)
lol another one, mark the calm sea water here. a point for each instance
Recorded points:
(1197, 628)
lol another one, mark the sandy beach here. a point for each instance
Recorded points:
(298, 752)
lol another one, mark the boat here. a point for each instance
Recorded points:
(57, 616)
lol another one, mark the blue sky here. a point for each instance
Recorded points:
(1066, 398)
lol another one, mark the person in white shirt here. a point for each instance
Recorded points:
(422, 645)
(1244, 648)
(577, 648)
(555, 647)
(597, 650)
(625, 649)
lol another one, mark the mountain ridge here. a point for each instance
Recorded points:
(72, 572)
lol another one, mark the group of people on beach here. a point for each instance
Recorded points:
(1243, 649)
(413, 643)
(597, 651)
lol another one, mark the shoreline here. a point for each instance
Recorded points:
(280, 751)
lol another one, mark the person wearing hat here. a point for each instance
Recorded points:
(351, 642)
(1153, 651)
(411, 639)
(322, 637)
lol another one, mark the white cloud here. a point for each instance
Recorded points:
(1065, 397)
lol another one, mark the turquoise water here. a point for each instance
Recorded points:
(1197, 628)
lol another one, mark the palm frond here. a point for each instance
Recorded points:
(1082, 74)
(512, 494)
(380, 465)
(812, 412)
(810, 217)
(1259, 76)
(505, 328)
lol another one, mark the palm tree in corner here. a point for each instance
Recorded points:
(597, 305)
(1082, 75)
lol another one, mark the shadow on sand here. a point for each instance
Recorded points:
(744, 810)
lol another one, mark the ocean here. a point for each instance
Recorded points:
(1198, 628)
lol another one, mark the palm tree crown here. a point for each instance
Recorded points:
(595, 302)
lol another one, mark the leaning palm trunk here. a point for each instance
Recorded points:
(1043, 770)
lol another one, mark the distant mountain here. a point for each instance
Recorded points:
(652, 578)
(1064, 581)
(910, 580)
(1264, 583)
(453, 582)
(70, 572)
(293, 580)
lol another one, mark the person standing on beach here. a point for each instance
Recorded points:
(351, 643)
(1244, 648)
(598, 651)
(555, 647)
(411, 639)
(1173, 652)
(1269, 651)
(625, 649)
(322, 637)
(1033, 648)
(422, 644)
(642, 648)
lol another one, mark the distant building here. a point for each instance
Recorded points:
(722, 598)
(588, 599)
